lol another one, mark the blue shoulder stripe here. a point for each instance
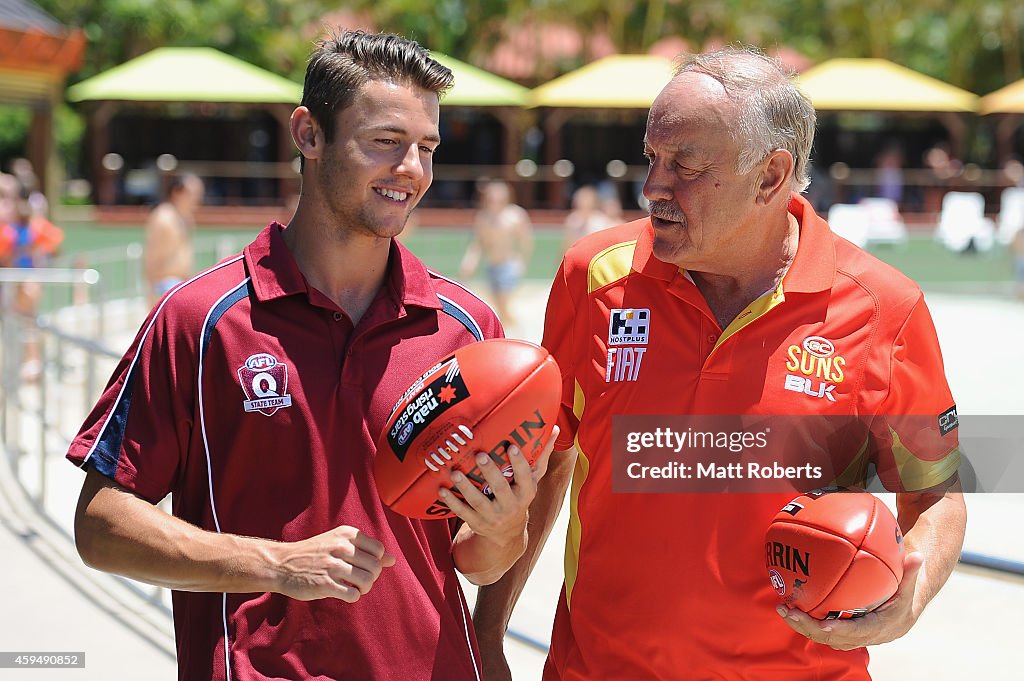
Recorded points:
(222, 306)
(107, 450)
(453, 309)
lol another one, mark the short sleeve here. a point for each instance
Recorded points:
(915, 429)
(139, 431)
(491, 327)
(559, 339)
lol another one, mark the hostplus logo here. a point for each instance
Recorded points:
(628, 332)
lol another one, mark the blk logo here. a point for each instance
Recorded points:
(801, 384)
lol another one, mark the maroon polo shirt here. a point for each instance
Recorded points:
(250, 397)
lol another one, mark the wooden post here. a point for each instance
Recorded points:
(286, 186)
(40, 147)
(553, 123)
(99, 144)
(512, 123)
(1006, 128)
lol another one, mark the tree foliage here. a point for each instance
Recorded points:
(268, 33)
(975, 44)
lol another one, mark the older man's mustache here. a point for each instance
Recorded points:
(666, 210)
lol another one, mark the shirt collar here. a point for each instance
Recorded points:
(813, 269)
(643, 256)
(275, 274)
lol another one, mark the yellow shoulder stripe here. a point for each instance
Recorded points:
(611, 264)
(579, 476)
(574, 537)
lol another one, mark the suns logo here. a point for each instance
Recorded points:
(815, 368)
(816, 357)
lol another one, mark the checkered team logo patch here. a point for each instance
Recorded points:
(629, 327)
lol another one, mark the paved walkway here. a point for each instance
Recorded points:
(53, 603)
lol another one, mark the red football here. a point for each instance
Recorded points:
(834, 553)
(483, 398)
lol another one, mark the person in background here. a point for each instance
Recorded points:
(1017, 255)
(503, 239)
(587, 215)
(611, 206)
(889, 174)
(167, 257)
(9, 197)
(29, 245)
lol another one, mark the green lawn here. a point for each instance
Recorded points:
(922, 259)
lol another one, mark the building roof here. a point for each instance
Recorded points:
(533, 50)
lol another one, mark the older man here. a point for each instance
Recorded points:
(697, 311)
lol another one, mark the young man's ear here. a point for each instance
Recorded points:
(306, 133)
(776, 177)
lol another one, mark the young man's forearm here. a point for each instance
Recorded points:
(494, 603)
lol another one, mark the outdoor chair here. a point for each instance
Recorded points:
(962, 223)
(885, 224)
(1011, 214)
(850, 221)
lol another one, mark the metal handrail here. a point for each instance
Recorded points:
(994, 563)
(18, 330)
(48, 275)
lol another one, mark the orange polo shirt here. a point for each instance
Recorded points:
(673, 585)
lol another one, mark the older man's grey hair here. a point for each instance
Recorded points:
(773, 112)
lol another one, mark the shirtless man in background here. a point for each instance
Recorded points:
(167, 258)
(503, 238)
(587, 216)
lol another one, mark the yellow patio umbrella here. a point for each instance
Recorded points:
(187, 74)
(479, 88)
(880, 85)
(1009, 99)
(621, 81)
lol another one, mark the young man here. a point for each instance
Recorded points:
(254, 394)
(167, 255)
(699, 310)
